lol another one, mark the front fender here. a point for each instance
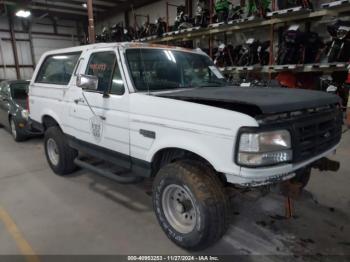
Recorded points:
(218, 151)
(50, 113)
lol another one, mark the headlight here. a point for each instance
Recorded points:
(263, 149)
(25, 114)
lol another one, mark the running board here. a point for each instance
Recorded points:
(107, 174)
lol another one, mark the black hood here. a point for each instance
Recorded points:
(254, 101)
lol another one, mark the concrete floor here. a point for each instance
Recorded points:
(86, 214)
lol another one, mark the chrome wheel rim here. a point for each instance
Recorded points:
(179, 209)
(13, 128)
(52, 151)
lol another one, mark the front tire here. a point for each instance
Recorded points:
(190, 204)
(59, 154)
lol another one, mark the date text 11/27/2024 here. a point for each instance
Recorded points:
(173, 258)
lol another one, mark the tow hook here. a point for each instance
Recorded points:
(325, 164)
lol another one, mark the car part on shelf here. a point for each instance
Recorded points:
(223, 56)
(235, 12)
(161, 27)
(258, 8)
(182, 20)
(298, 80)
(116, 33)
(283, 4)
(291, 48)
(340, 47)
(202, 15)
(254, 52)
(313, 47)
(221, 10)
(249, 53)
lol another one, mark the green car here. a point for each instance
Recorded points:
(13, 109)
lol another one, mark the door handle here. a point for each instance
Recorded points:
(79, 100)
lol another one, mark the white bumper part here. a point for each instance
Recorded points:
(253, 177)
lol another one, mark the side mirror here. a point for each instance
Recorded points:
(87, 82)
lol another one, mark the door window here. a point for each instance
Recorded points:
(117, 86)
(58, 69)
(101, 65)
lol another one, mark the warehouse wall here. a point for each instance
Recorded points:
(44, 39)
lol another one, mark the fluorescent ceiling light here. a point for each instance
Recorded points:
(23, 13)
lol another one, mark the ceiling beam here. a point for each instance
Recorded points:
(126, 6)
(60, 4)
(96, 2)
(57, 10)
(50, 9)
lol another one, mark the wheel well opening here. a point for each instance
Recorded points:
(48, 122)
(171, 155)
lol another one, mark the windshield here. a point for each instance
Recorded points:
(19, 91)
(160, 69)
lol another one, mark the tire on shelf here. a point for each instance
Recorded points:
(59, 154)
(244, 60)
(190, 204)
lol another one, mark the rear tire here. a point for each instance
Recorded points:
(59, 154)
(17, 133)
(190, 204)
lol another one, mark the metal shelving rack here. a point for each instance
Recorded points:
(334, 8)
(318, 67)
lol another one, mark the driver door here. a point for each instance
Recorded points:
(100, 118)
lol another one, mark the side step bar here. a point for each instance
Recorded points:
(108, 174)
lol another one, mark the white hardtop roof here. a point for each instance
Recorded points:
(116, 45)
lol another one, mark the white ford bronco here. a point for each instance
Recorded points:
(143, 111)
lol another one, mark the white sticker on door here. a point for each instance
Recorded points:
(96, 126)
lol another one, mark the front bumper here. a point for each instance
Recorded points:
(254, 177)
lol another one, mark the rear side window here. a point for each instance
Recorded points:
(58, 69)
